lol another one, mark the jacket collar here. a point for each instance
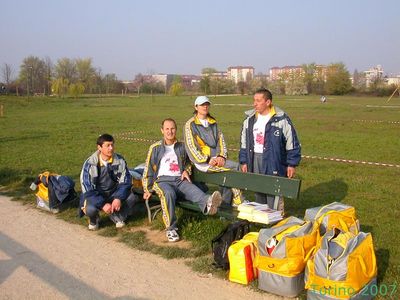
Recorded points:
(209, 119)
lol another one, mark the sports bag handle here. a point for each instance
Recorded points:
(342, 223)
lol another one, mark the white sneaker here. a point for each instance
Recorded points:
(94, 226)
(172, 235)
(213, 202)
(120, 224)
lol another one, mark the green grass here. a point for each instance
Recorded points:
(40, 134)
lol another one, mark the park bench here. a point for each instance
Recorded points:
(272, 185)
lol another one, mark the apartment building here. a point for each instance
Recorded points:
(240, 73)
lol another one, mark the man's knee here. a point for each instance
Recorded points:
(91, 211)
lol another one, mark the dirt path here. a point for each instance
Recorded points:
(42, 257)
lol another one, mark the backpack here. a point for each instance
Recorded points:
(220, 244)
(53, 190)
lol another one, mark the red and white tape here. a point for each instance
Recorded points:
(123, 136)
(377, 121)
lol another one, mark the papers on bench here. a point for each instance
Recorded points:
(259, 213)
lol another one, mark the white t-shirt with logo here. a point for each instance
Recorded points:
(169, 163)
(259, 132)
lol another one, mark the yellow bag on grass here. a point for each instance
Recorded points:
(241, 256)
(283, 252)
(344, 267)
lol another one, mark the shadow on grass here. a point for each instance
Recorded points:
(382, 256)
(318, 195)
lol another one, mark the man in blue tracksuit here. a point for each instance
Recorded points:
(106, 185)
(167, 173)
(269, 144)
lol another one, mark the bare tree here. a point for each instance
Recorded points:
(7, 74)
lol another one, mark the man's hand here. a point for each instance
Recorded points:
(115, 205)
(244, 168)
(213, 162)
(107, 208)
(291, 171)
(185, 175)
(220, 161)
(146, 195)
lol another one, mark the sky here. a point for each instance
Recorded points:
(182, 37)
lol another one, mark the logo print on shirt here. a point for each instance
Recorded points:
(174, 167)
(276, 133)
(260, 138)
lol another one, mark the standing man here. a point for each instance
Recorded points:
(269, 144)
(167, 173)
(106, 185)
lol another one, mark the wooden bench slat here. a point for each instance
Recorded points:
(272, 185)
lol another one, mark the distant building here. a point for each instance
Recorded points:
(393, 80)
(164, 79)
(373, 74)
(219, 75)
(240, 73)
(276, 73)
(321, 72)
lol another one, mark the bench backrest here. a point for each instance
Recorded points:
(272, 185)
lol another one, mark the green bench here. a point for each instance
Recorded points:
(272, 185)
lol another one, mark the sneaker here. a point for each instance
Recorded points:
(213, 202)
(172, 235)
(120, 224)
(94, 226)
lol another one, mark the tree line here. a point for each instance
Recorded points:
(74, 77)
(66, 77)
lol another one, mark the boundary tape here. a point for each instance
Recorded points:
(377, 121)
(123, 136)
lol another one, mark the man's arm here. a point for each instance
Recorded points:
(124, 181)
(89, 189)
(148, 173)
(293, 147)
(243, 160)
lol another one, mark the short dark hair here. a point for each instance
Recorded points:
(266, 93)
(105, 137)
(168, 119)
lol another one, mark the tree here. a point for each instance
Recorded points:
(205, 84)
(112, 84)
(359, 81)
(76, 89)
(176, 88)
(85, 72)
(32, 75)
(208, 71)
(242, 87)
(66, 69)
(309, 77)
(7, 74)
(338, 79)
(59, 87)
(48, 73)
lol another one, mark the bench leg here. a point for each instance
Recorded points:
(156, 208)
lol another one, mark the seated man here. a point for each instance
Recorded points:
(106, 185)
(166, 173)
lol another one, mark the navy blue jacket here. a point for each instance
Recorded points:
(119, 173)
(281, 145)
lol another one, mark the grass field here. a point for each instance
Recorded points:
(40, 134)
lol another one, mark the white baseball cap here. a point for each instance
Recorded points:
(200, 100)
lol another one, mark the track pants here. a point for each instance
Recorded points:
(169, 188)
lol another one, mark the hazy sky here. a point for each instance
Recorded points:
(128, 37)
